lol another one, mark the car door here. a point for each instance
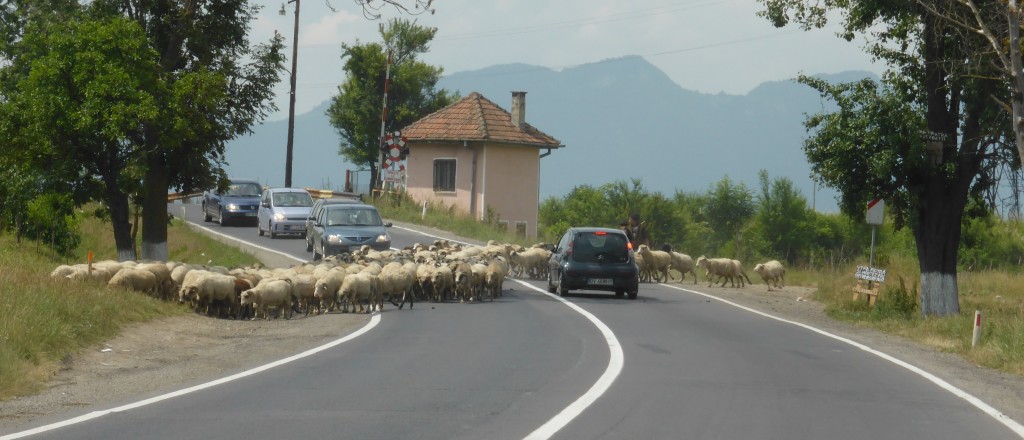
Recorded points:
(262, 215)
(556, 257)
(318, 229)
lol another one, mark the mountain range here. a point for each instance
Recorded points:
(618, 119)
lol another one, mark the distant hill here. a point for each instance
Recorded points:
(619, 119)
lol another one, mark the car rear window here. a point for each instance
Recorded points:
(593, 247)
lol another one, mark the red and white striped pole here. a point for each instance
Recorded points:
(383, 120)
(976, 339)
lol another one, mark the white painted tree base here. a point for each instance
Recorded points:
(154, 251)
(939, 295)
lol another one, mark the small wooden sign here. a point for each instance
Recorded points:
(870, 274)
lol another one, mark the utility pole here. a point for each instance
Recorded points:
(291, 99)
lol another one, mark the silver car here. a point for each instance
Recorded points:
(342, 228)
(284, 211)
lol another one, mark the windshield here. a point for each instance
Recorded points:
(292, 199)
(243, 190)
(593, 247)
(353, 217)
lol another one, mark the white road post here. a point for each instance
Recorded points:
(424, 215)
(976, 339)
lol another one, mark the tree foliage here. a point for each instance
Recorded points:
(355, 112)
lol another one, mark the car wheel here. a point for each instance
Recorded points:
(317, 255)
(551, 286)
(270, 230)
(562, 291)
(309, 244)
(258, 228)
(206, 214)
(632, 294)
(220, 219)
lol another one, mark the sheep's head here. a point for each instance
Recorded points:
(247, 297)
(759, 269)
(702, 261)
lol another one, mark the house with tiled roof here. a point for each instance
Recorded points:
(476, 156)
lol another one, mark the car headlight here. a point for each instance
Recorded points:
(334, 239)
(279, 216)
(232, 207)
(382, 238)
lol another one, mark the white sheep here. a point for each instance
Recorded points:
(275, 293)
(134, 279)
(210, 290)
(717, 267)
(326, 290)
(772, 272)
(739, 273)
(355, 289)
(683, 264)
(658, 262)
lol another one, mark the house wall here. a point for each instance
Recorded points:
(512, 180)
(507, 179)
(420, 176)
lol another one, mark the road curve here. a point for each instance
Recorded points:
(692, 368)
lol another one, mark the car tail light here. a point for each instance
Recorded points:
(568, 250)
(629, 245)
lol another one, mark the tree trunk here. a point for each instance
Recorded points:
(938, 244)
(1016, 76)
(120, 214)
(154, 207)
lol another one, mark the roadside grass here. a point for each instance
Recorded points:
(997, 294)
(448, 218)
(44, 321)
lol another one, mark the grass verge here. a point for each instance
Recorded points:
(448, 218)
(43, 321)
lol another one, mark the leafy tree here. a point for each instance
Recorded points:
(355, 112)
(728, 206)
(939, 86)
(782, 217)
(86, 86)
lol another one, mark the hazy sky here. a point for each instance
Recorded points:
(709, 46)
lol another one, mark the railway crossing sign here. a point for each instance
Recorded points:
(876, 211)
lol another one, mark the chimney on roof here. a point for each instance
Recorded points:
(519, 109)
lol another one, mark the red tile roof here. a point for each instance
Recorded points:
(475, 118)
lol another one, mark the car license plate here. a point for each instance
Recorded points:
(250, 214)
(600, 281)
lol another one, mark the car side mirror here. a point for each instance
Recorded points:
(318, 224)
(388, 225)
(266, 204)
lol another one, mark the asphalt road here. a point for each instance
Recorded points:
(693, 369)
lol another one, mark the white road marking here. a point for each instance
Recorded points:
(1017, 428)
(374, 320)
(262, 248)
(616, 362)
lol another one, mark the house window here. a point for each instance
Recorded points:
(444, 174)
(521, 229)
(503, 225)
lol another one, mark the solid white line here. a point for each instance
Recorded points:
(262, 248)
(616, 362)
(374, 320)
(1017, 428)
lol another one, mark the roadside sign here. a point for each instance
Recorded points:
(876, 211)
(394, 176)
(870, 274)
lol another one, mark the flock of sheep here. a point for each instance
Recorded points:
(360, 280)
(655, 265)
(443, 271)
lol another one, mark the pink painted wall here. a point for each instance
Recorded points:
(507, 179)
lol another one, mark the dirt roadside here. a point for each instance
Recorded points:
(151, 358)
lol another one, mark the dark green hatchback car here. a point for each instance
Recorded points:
(594, 259)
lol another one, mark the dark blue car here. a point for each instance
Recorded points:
(239, 202)
(594, 259)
